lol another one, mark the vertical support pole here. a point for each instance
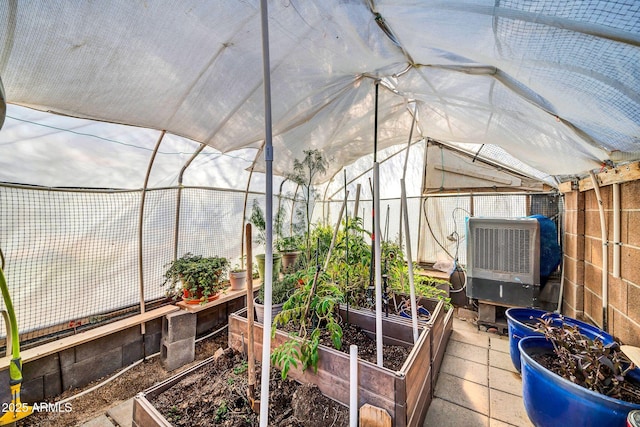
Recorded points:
(357, 202)
(140, 230)
(244, 207)
(268, 261)
(616, 230)
(353, 385)
(376, 234)
(404, 169)
(250, 350)
(176, 232)
(412, 288)
(605, 255)
(377, 262)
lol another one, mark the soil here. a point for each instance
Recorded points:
(217, 394)
(393, 356)
(630, 391)
(219, 390)
(126, 386)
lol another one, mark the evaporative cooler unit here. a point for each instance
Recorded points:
(503, 261)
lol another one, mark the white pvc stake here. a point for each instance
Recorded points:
(268, 257)
(353, 385)
(407, 236)
(378, 266)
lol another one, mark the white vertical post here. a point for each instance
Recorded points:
(616, 230)
(377, 260)
(268, 257)
(353, 385)
(412, 287)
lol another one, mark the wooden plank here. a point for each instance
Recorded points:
(227, 295)
(565, 187)
(92, 334)
(418, 371)
(372, 416)
(377, 386)
(618, 175)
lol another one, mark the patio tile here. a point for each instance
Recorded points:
(499, 343)
(470, 337)
(101, 421)
(465, 369)
(463, 393)
(506, 381)
(508, 408)
(440, 415)
(497, 423)
(468, 351)
(501, 360)
(122, 414)
(464, 325)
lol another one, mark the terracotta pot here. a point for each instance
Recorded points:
(197, 298)
(289, 259)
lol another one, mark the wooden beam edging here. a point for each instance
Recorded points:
(617, 175)
(90, 335)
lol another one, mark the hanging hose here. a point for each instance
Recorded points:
(18, 410)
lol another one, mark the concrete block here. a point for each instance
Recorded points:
(176, 354)
(153, 326)
(178, 326)
(83, 372)
(132, 352)
(40, 367)
(94, 348)
(52, 385)
(32, 390)
(152, 342)
(67, 356)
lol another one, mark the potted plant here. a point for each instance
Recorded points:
(200, 279)
(289, 247)
(237, 278)
(522, 322)
(281, 290)
(570, 379)
(259, 222)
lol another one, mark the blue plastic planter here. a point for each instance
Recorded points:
(552, 401)
(521, 321)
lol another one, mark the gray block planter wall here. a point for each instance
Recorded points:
(78, 366)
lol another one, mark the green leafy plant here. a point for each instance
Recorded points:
(259, 222)
(221, 412)
(281, 290)
(304, 173)
(586, 362)
(200, 277)
(309, 310)
(289, 243)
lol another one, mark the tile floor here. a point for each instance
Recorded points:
(478, 385)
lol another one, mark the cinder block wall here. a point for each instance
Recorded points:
(583, 260)
(78, 366)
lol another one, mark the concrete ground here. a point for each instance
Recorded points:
(478, 385)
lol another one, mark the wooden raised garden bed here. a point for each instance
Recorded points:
(441, 324)
(405, 394)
